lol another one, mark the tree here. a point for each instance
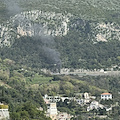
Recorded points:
(102, 111)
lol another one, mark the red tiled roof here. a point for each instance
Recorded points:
(106, 94)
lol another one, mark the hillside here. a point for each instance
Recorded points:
(55, 34)
(74, 34)
(77, 37)
(87, 9)
(22, 89)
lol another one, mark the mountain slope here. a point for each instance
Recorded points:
(76, 34)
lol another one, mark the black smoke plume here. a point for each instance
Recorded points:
(48, 43)
(52, 56)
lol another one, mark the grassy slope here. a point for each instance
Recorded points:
(39, 79)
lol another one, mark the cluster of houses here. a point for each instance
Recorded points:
(52, 112)
(86, 99)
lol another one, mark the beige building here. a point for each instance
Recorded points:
(52, 111)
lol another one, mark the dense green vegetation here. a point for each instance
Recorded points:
(18, 93)
(21, 87)
(22, 84)
(75, 52)
(76, 49)
(33, 52)
(86, 9)
(28, 111)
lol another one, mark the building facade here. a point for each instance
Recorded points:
(4, 113)
(106, 96)
(52, 111)
(94, 105)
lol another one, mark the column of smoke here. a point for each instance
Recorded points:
(13, 8)
(50, 51)
(48, 46)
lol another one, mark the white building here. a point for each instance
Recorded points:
(86, 98)
(52, 98)
(86, 95)
(94, 105)
(67, 98)
(80, 101)
(4, 113)
(106, 96)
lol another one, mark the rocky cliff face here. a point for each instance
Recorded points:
(37, 23)
(32, 23)
(97, 31)
(106, 31)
